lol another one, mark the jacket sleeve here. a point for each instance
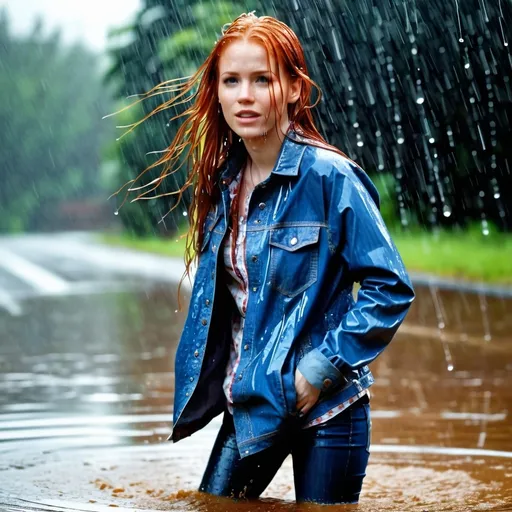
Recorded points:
(385, 294)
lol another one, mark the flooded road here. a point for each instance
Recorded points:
(87, 342)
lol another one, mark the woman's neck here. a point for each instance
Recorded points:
(263, 152)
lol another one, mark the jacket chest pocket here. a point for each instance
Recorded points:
(293, 258)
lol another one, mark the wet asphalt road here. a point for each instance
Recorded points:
(87, 341)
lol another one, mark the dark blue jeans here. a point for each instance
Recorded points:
(329, 460)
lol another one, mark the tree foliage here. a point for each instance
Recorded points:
(420, 89)
(50, 124)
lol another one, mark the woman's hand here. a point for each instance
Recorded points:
(307, 394)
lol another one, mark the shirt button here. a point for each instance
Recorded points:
(254, 288)
(191, 379)
(207, 302)
(254, 258)
(196, 353)
(246, 347)
(186, 394)
(257, 221)
(262, 206)
(293, 241)
(327, 383)
(204, 321)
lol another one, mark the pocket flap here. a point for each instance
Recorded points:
(293, 238)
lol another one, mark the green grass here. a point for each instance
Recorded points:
(173, 246)
(467, 255)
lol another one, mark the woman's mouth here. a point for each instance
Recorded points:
(247, 116)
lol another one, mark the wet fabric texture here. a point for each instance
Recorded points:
(329, 460)
(313, 229)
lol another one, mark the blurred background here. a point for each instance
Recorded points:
(418, 92)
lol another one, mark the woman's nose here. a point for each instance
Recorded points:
(245, 92)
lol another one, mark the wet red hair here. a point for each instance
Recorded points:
(204, 137)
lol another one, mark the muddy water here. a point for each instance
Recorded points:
(86, 404)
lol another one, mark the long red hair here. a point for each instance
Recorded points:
(204, 137)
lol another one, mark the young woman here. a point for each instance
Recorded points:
(283, 225)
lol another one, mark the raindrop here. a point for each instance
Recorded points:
(400, 140)
(360, 143)
(116, 212)
(431, 140)
(185, 214)
(420, 100)
(450, 368)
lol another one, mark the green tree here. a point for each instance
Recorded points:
(50, 124)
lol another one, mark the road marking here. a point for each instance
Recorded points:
(34, 275)
(9, 304)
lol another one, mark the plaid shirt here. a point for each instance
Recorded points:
(237, 281)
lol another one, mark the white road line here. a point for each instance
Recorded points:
(34, 275)
(9, 304)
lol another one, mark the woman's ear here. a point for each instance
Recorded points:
(295, 88)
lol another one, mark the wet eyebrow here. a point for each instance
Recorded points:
(260, 72)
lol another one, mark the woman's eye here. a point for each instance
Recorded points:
(234, 80)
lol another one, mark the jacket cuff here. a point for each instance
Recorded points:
(318, 370)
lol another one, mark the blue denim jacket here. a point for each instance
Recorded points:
(313, 230)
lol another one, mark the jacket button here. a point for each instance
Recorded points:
(257, 221)
(327, 383)
(207, 302)
(254, 258)
(293, 241)
(262, 206)
(254, 288)
(204, 321)
(196, 353)
(246, 347)
(191, 379)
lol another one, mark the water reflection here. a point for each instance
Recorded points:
(86, 404)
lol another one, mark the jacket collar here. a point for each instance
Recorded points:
(287, 164)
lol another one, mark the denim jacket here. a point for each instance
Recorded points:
(313, 230)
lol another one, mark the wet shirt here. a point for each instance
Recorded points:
(237, 281)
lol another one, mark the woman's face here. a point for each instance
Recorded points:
(246, 84)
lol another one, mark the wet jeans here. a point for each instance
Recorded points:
(329, 460)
